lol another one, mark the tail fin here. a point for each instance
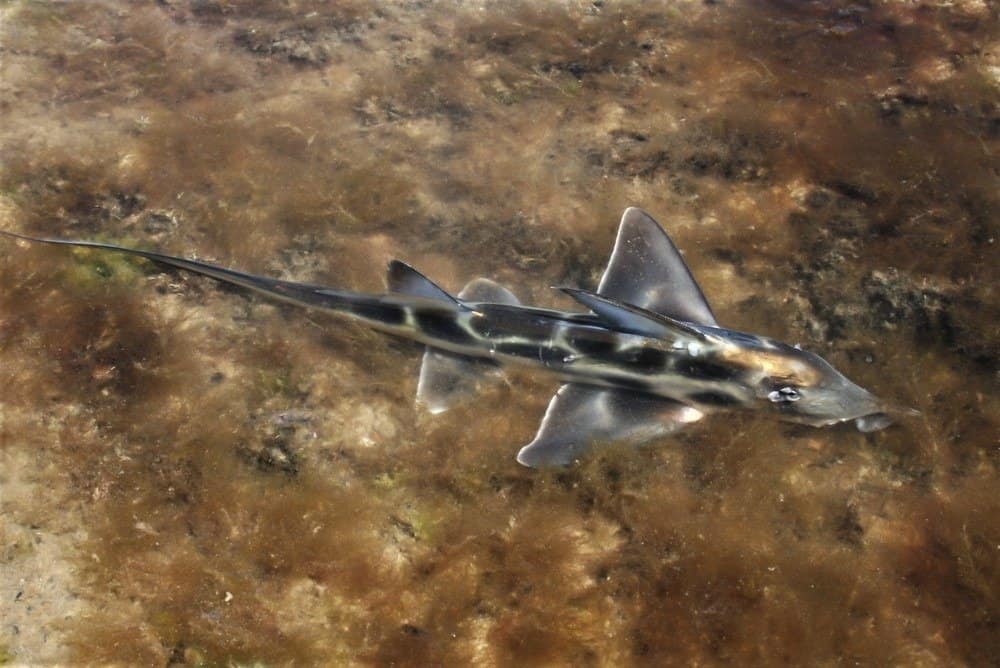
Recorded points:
(298, 293)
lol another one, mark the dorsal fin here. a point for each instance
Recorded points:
(404, 279)
(631, 318)
(647, 270)
(447, 379)
(485, 290)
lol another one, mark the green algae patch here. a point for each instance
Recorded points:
(274, 381)
(385, 481)
(94, 268)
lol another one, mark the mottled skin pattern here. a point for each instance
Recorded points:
(707, 368)
(726, 369)
(578, 347)
(575, 347)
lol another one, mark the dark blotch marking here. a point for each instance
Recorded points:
(500, 321)
(411, 630)
(704, 370)
(714, 399)
(774, 383)
(442, 325)
(529, 351)
(603, 349)
(389, 314)
(645, 359)
(482, 326)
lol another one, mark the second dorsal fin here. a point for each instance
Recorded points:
(447, 379)
(485, 290)
(647, 270)
(406, 280)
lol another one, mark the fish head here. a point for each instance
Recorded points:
(802, 387)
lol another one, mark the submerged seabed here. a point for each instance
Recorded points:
(190, 475)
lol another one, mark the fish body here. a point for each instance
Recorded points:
(647, 358)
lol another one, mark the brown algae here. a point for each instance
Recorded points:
(192, 476)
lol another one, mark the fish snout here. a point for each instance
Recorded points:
(858, 405)
(872, 422)
(886, 415)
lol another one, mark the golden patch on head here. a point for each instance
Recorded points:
(773, 365)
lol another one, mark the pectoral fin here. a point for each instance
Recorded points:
(579, 415)
(446, 379)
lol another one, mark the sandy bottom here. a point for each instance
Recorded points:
(192, 476)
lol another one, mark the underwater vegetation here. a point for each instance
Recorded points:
(189, 475)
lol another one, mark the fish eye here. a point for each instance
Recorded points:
(783, 395)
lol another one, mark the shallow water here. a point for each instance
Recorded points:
(190, 475)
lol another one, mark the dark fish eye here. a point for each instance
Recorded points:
(784, 395)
